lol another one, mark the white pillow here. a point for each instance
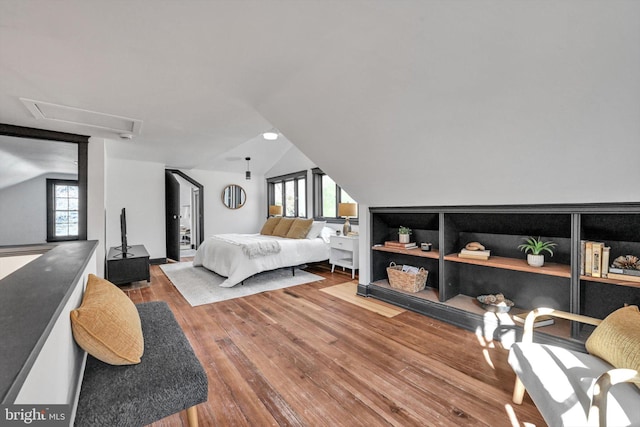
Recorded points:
(326, 233)
(315, 229)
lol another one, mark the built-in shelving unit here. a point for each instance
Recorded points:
(454, 283)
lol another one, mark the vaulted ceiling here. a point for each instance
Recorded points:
(401, 102)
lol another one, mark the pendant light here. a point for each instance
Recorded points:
(248, 173)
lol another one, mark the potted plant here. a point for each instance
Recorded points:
(536, 247)
(403, 234)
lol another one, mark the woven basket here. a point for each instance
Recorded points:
(410, 282)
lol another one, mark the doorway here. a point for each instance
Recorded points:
(184, 214)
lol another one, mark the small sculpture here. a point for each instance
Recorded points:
(474, 246)
(627, 262)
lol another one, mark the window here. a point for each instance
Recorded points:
(327, 195)
(62, 210)
(290, 192)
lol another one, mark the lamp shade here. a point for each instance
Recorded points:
(347, 209)
(275, 210)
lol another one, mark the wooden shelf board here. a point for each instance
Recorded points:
(561, 327)
(428, 293)
(549, 268)
(433, 253)
(611, 281)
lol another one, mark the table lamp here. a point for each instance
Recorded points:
(275, 210)
(346, 210)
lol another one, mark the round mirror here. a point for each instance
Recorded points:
(233, 196)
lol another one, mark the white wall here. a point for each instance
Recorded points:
(96, 199)
(138, 187)
(23, 211)
(218, 218)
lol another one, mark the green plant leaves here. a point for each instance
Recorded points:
(536, 246)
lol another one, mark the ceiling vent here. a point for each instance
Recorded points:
(77, 116)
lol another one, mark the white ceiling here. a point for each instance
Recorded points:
(402, 102)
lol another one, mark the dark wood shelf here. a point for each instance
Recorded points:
(611, 281)
(549, 268)
(433, 253)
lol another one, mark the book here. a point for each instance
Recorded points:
(582, 249)
(543, 320)
(471, 256)
(485, 252)
(605, 260)
(588, 258)
(624, 271)
(627, 277)
(398, 245)
(596, 262)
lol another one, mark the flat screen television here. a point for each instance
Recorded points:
(123, 233)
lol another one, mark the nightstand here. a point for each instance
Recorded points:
(344, 252)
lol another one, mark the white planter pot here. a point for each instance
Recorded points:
(404, 238)
(535, 260)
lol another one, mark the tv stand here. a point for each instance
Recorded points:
(129, 266)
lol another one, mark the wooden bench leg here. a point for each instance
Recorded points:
(192, 416)
(518, 392)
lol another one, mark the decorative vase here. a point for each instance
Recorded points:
(535, 260)
(404, 238)
(346, 228)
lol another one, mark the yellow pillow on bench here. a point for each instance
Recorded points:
(617, 338)
(107, 324)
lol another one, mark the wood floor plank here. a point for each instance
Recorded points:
(302, 357)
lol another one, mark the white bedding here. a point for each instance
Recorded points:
(226, 255)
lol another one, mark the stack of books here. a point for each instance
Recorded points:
(466, 253)
(594, 259)
(398, 245)
(624, 274)
(543, 320)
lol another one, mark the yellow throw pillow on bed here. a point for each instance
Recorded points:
(617, 338)
(270, 225)
(300, 228)
(107, 324)
(283, 227)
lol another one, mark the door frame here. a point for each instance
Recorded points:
(201, 207)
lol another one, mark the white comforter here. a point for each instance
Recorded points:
(239, 256)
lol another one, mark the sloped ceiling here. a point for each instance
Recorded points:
(401, 102)
(22, 159)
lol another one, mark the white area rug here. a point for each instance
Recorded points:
(200, 286)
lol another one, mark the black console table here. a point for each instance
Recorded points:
(130, 267)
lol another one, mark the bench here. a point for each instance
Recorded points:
(572, 388)
(169, 379)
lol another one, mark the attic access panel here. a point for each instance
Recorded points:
(63, 114)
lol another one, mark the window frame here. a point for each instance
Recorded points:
(295, 177)
(51, 208)
(317, 200)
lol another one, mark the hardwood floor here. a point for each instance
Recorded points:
(301, 357)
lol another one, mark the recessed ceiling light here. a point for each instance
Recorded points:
(270, 136)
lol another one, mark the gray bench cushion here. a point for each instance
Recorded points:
(560, 383)
(169, 379)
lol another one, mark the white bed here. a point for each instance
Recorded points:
(240, 256)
